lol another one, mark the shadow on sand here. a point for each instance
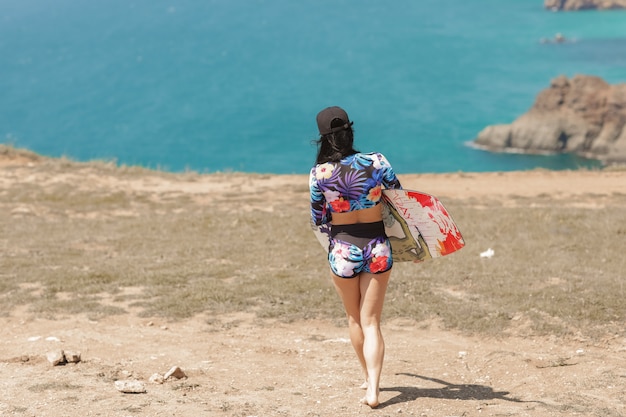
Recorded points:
(448, 391)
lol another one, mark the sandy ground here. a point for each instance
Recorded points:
(244, 367)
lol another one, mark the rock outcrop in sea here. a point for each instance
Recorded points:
(583, 115)
(584, 4)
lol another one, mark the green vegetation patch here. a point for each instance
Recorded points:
(557, 268)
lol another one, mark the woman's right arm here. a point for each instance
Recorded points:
(390, 180)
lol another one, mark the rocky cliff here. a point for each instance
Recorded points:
(582, 115)
(584, 4)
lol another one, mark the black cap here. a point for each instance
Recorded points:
(332, 119)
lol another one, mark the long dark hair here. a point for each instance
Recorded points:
(332, 147)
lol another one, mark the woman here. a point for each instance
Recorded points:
(346, 188)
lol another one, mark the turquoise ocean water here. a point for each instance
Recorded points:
(221, 85)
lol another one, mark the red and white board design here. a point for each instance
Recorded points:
(417, 224)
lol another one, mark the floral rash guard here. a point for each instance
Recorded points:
(354, 183)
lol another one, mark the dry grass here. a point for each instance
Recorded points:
(555, 270)
(68, 249)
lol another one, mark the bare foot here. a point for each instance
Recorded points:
(371, 398)
(364, 385)
(372, 405)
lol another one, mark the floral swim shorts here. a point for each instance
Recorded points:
(361, 247)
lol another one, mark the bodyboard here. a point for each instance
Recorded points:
(418, 226)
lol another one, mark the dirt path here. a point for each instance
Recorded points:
(246, 368)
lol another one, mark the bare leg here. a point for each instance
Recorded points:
(363, 299)
(373, 289)
(350, 292)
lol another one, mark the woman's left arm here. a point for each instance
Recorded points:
(319, 213)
